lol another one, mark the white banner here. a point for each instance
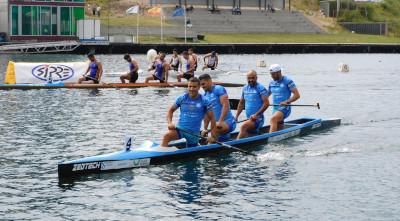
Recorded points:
(37, 73)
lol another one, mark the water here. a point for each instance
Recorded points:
(347, 173)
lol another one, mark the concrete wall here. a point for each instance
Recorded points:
(229, 3)
(4, 16)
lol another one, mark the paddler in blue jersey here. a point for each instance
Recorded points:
(219, 99)
(132, 75)
(95, 71)
(281, 88)
(193, 108)
(187, 67)
(255, 100)
(160, 72)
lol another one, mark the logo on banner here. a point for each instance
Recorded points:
(55, 72)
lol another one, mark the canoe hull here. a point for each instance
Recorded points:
(136, 158)
(95, 86)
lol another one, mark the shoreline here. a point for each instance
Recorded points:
(242, 48)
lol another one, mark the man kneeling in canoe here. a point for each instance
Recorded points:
(255, 100)
(160, 72)
(193, 108)
(96, 70)
(218, 97)
(132, 75)
(281, 88)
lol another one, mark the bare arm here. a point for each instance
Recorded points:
(216, 60)
(206, 56)
(263, 107)
(170, 113)
(165, 72)
(206, 122)
(240, 108)
(135, 63)
(295, 97)
(210, 116)
(225, 107)
(99, 71)
(87, 70)
(191, 66)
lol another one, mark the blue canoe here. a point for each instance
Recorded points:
(150, 153)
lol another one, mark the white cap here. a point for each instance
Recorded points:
(274, 68)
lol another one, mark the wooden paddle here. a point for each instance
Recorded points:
(235, 102)
(220, 143)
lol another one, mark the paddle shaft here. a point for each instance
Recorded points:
(235, 102)
(297, 105)
(220, 143)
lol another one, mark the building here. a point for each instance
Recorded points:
(41, 20)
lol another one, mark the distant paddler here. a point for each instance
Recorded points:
(210, 61)
(255, 100)
(281, 88)
(132, 75)
(160, 72)
(194, 57)
(186, 67)
(96, 70)
(219, 99)
(193, 108)
(174, 62)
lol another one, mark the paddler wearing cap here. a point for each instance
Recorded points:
(281, 88)
(96, 70)
(211, 62)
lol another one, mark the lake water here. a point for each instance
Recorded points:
(350, 172)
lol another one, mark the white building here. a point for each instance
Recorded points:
(4, 16)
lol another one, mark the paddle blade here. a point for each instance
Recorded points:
(318, 106)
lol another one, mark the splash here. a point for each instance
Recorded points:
(270, 156)
(327, 152)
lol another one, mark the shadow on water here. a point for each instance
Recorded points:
(68, 183)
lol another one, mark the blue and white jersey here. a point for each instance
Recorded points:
(214, 96)
(252, 96)
(192, 111)
(281, 90)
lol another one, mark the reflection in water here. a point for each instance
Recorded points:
(161, 92)
(127, 176)
(133, 92)
(94, 92)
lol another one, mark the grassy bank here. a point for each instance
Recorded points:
(298, 38)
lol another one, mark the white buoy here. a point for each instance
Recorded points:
(261, 64)
(151, 55)
(343, 67)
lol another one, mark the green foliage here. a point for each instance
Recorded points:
(385, 11)
(351, 15)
